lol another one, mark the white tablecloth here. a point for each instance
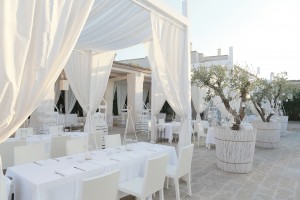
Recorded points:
(51, 179)
(169, 128)
(210, 137)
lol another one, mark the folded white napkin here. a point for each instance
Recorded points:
(86, 166)
(45, 162)
(119, 158)
(67, 172)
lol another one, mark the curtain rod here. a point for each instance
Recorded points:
(163, 14)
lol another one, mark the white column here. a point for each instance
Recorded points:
(109, 97)
(135, 96)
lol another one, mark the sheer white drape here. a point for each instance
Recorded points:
(115, 24)
(158, 100)
(56, 91)
(198, 98)
(121, 94)
(70, 100)
(145, 93)
(36, 40)
(88, 74)
(168, 55)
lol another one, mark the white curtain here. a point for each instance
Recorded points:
(168, 55)
(145, 93)
(121, 94)
(158, 100)
(36, 39)
(115, 24)
(88, 74)
(198, 98)
(56, 91)
(70, 100)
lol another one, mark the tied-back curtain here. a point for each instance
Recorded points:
(36, 39)
(88, 74)
(121, 94)
(198, 98)
(168, 54)
(145, 93)
(70, 101)
(158, 100)
(56, 91)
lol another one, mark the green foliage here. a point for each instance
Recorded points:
(291, 106)
(273, 92)
(230, 83)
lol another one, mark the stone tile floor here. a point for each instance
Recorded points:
(275, 175)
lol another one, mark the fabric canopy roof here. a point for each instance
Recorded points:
(111, 25)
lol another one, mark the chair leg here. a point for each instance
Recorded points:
(167, 183)
(161, 194)
(189, 184)
(177, 188)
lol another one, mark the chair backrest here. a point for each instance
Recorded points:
(7, 152)
(28, 153)
(200, 129)
(112, 140)
(205, 124)
(161, 121)
(24, 132)
(155, 172)
(96, 137)
(58, 146)
(55, 130)
(184, 160)
(75, 146)
(100, 187)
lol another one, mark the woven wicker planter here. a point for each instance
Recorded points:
(284, 123)
(235, 149)
(267, 134)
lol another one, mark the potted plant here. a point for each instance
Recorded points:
(234, 146)
(267, 97)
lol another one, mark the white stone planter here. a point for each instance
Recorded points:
(267, 134)
(284, 123)
(235, 149)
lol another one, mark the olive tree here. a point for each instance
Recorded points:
(229, 83)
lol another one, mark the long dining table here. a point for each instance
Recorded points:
(59, 178)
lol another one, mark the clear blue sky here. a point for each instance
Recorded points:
(263, 33)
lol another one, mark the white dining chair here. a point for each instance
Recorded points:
(58, 146)
(55, 130)
(153, 180)
(112, 140)
(29, 153)
(205, 125)
(75, 146)
(100, 187)
(7, 152)
(200, 133)
(182, 168)
(95, 140)
(24, 132)
(5, 184)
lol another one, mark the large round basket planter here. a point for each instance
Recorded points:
(267, 134)
(235, 149)
(284, 123)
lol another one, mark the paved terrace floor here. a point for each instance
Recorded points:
(275, 175)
